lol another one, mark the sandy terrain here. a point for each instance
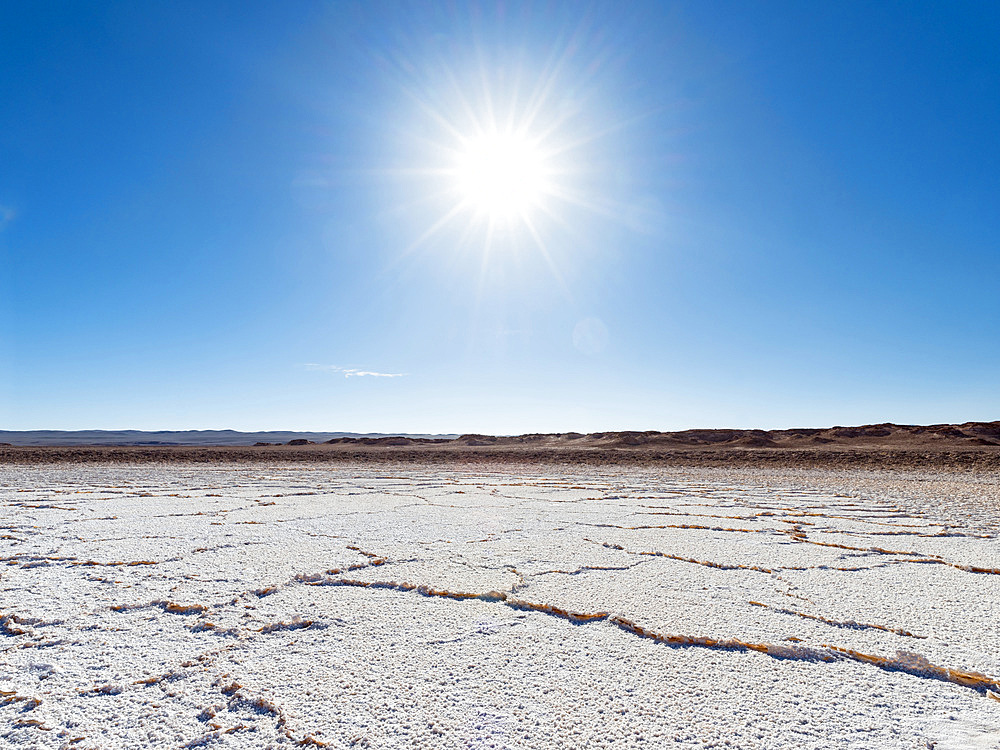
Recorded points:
(497, 604)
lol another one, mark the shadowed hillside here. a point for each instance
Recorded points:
(885, 435)
(972, 446)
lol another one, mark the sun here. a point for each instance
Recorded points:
(501, 176)
(502, 156)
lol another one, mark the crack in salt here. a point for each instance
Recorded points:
(905, 662)
(849, 624)
(681, 558)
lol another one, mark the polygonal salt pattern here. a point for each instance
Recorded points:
(257, 606)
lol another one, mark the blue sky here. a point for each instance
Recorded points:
(251, 215)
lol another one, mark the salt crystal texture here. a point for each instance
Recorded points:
(356, 607)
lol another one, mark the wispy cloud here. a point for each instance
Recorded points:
(353, 372)
(7, 215)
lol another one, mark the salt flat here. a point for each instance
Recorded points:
(514, 607)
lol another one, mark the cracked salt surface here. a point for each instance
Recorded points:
(359, 607)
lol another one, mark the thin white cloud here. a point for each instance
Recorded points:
(353, 372)
(7, 215)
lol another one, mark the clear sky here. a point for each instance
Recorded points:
(498, 217)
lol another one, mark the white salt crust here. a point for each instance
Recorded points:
(523, 607)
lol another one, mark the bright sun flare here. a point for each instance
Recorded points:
(503, 144)
(501, 176)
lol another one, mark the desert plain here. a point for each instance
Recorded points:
(317, 596)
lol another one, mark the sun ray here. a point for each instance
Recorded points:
(547, 256)
(504, 142)
(435, 228)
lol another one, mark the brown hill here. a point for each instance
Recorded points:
(887, 435)
(971, 446)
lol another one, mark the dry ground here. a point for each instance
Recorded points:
(495, 603)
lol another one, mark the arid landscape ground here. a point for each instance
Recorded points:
(622, 590)
(971, 446)
(484, 224)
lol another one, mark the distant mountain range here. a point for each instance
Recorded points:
(183, 437)
(886, 435)
(873, 436)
